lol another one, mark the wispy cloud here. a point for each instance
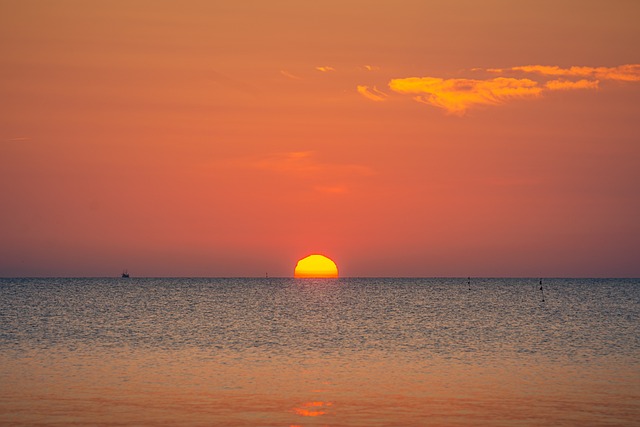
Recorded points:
(628, 73)
(289, 75)
(371, 67)
(372, 94)
(324, 177)
(569, 85)
(299, 162)
(457, 95)
(325, 69)
(17, 139)
(305, 162)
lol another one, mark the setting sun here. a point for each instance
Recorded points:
(316, 266)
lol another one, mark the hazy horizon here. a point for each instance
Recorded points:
(463, 278)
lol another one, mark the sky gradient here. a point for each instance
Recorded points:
(398, 138)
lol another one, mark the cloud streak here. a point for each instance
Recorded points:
(323, 177)
(305, 162)
(457, 95)
(627, 73)
(325, 69)
(569, 85)
(372, 94)
(289, 75)
(17, 139)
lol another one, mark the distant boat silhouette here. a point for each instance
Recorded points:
(125, 274)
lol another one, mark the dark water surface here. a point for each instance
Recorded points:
(335, 352)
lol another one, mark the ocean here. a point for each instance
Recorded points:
(319, 352)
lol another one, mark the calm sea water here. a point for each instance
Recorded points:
(334, 352)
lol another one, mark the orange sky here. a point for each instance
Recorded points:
(399, 138)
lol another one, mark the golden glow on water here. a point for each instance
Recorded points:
(194, 388)
(316, 266)
(312, 409)
(288, 352)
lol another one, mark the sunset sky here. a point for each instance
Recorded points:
(399, 138)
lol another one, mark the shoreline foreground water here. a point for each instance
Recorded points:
(338, 352)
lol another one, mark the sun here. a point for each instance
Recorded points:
(315, 266)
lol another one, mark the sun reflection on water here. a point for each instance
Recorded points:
(312, 409)
(289, 352)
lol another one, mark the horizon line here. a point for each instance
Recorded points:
(320, 278)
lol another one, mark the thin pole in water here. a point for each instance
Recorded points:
(541, 290)
(469, 282)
